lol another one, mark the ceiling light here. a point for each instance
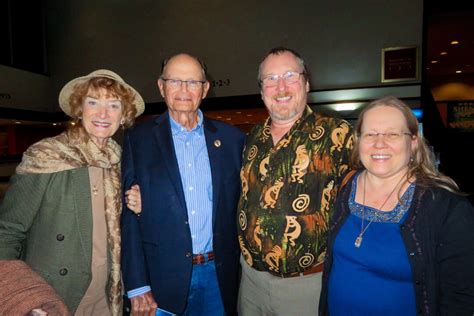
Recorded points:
(427, 68)
(434, 61)
(238, 112)
(17, 122)
(228, 119)
(458, 71)
(454, 42)
(345, 106)
(219, 117)
(443, 53)
(54, 124)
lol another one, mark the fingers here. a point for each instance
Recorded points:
(133, 194)
(131, 202)
(134, 207)
(143, 305)
(133, 199)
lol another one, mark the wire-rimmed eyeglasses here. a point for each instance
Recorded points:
(288, 77)
(392, 137)
(176, 83)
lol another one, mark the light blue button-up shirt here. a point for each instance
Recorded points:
(196, 179)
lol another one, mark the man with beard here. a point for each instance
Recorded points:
(291, 166)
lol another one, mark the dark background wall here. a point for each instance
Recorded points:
(341, 40)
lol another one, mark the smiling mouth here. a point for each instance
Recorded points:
(380, 157)
(283, 99)
(101, 124)
(183, 99)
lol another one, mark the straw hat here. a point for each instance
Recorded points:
(67, 90)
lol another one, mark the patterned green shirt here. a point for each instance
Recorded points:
(288, 192)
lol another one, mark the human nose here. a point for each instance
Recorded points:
(380, 140)
(103, 111)
(281, 83)
(183, 86)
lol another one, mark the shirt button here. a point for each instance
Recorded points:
(188, 143)
(186, 222)
(188, 254)
(193, 212)
(412, 254)
(189, 165)
(191, 188)
(63, 271)
(59, 237)
(192, 236)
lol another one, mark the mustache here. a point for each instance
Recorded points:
(283, 94)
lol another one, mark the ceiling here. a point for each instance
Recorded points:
(444, 58)
(447, 21)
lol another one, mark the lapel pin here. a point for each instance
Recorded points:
(217, 143)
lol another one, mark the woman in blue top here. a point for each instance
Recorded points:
(402, 235)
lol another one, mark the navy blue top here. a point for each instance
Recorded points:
(376, 278)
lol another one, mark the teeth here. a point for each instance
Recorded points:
(380, 156)
(283, 98)
(103, 124)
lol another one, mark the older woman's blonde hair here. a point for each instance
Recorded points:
(113, 89)
(421, 165)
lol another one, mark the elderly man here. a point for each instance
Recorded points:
(291, 166)
(181, 253)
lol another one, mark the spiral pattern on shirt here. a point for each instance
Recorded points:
(242, 220)
(252, 152)
(301, 203)
(318, 133)
(307, 260)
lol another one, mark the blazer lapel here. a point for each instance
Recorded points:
(213, 144)
(162, 134)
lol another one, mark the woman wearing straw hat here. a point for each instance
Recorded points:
(61, 213)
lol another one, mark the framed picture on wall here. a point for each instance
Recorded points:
(400, 64)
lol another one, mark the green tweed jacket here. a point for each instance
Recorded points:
(46, 220)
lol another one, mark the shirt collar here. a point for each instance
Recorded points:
(178, 129)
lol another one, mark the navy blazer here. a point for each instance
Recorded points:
(156, 246)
